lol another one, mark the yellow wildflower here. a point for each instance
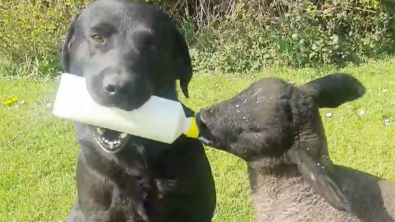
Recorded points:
(8, 102)
(11, 101)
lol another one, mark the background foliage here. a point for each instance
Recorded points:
(224, 35)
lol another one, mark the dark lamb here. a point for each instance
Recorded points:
(276, 128)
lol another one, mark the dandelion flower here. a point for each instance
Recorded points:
(11, 101)
(8, 102)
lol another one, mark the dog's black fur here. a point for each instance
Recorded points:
(129, 51)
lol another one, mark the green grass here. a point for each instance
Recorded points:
(38, 152)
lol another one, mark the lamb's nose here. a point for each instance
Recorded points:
(200, 122)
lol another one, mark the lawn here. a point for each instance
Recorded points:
(38, 152)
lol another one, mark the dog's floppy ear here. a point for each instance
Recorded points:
(335, 89)
(65, 51)
(318, 177)
(183, 61)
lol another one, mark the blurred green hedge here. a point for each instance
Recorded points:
(254, 34)
(224, 35)
(31, 32)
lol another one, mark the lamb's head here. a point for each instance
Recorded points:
(276, 119)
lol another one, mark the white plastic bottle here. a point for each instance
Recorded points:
(158, 119)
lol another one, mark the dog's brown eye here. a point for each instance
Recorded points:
(98, 38)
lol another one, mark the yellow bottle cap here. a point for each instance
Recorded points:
(193, 131)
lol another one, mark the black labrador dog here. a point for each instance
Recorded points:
(129, 51)
(277, 129)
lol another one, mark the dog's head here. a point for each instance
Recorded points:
(272, 118)
(127, 51)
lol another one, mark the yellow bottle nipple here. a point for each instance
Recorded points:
(193, 131)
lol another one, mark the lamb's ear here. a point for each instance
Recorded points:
(316, 175)
(335, 89)
(184, 63)
(65, 51)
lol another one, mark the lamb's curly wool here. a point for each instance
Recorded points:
(283, 141)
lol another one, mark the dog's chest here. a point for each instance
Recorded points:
(141, 203)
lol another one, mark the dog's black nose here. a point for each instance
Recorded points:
(114, 86)
(110, 88)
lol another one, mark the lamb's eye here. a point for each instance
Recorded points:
(98, 39)
(149, 48)
(152, 48)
